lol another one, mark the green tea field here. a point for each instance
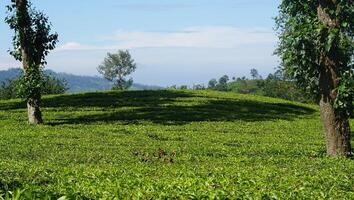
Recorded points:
(168, 145)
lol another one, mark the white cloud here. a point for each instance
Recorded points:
(75, 46)
(195, 37)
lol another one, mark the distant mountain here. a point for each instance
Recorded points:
(9, 74)
(78, 83)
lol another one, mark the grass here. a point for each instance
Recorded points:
(168, 144)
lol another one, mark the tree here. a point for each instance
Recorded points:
(222, 85)
(316, 47)
(53, 85)
(223, 80)
(279, 75)
(116, 67)
(32, 42)
(212, 83)
(254, 74)
(199, 87)
(183, 87)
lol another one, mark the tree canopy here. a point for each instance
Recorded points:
(116, 67)
(304, 39)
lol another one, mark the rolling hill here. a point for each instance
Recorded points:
(78, 83)
(169, 145)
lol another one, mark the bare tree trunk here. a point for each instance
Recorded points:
(33, 102)
(336, 127)
(336, 124)
(34, 112)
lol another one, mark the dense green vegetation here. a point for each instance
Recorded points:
(277, 85)
(159, 144)
(271, 88)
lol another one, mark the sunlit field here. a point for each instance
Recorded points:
(169, 144)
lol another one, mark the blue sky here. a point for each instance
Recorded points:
(173, 41)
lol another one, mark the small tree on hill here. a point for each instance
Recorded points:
(183, 87)
(116, 67)
(316, 48)
(198, 87)
(54, 85)
(222, 85)
(212, 84)
(32, 42)
(254, 74)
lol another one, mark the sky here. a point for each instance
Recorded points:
(173, 42)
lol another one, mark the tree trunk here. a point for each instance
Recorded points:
(336, 127)
(24, 23)
(34, 112)
(336, 124)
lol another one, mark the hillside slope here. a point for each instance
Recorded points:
(169, 144)
(77, 83)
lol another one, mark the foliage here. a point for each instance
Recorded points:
(176, 87)
(284, 89)
(37, 34)
(304, 38)
(183, 87)
(198, 87)
(116, 67)
(212, 84)
(220, 85)
(245, 86)
(31, 83)
(13, 88)
(169, 145)
(53, 85)
(276, 85)
(254, 74)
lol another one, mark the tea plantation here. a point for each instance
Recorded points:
(168, 145)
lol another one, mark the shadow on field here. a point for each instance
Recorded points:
(103, 100)
(12, 105)
(165, 107)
